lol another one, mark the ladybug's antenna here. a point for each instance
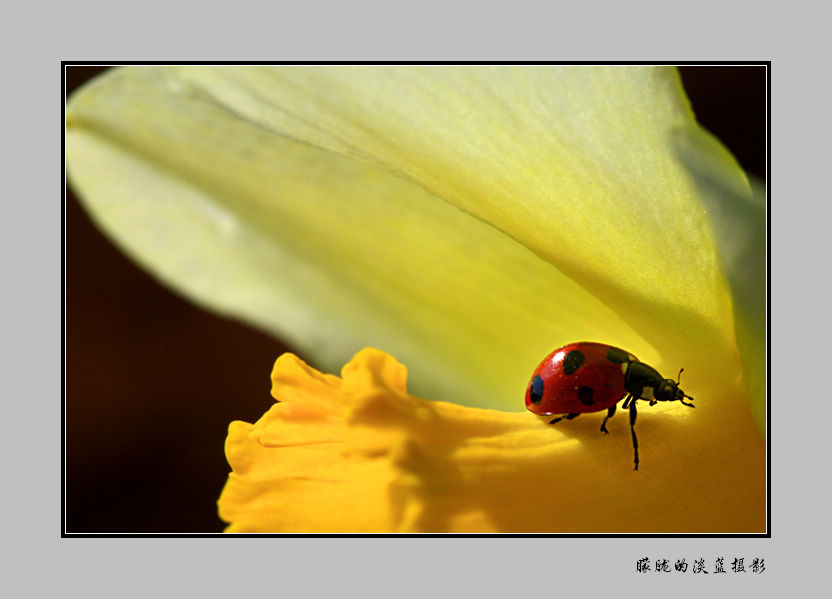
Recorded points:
(678, 381)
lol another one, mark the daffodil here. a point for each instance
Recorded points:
(466, 220)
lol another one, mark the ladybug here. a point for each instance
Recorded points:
(590, 377)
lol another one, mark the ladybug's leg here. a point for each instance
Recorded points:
(567, 417)
(633, 415)
(610, 412)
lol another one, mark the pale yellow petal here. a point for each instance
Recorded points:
(325, 251)
(739, 219)
(575, 163)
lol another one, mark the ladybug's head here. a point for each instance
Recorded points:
(668, 390)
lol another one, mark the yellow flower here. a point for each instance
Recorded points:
(358, 454)
(468, 220)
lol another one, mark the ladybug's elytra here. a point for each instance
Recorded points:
(590, 377)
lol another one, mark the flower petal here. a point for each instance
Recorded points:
(287, 466)
(739, 219)
(326, 251)
(380, 460)
(575, 163)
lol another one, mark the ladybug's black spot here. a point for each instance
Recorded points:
(572, 361)
(585, 395)
(617, 356)
(536, 389)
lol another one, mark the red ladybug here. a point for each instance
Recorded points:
(590, 377)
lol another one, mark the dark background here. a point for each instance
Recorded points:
(152, 382)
